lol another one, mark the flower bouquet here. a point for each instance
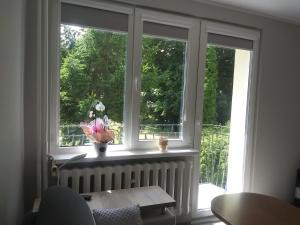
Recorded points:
(98, 130)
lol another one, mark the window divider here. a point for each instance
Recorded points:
(53, 74)
(129, 79)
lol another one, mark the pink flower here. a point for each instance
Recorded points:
(96, 132)
(97, 125)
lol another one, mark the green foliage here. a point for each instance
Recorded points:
(93, 69)
(214, 154)
(216, 110)
(225, 65)
(218, 85)
(162, 79)
(93, 65)
(210, 87)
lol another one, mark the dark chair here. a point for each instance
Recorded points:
(61, 206)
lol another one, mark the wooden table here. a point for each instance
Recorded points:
(254, 209)
(146, 197)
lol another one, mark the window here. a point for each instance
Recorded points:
(162, 82)
(223, 124)
(92, 67)
(165, 74)
(226, 106)
(148, 68)
(142, 67)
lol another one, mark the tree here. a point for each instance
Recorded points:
(93, 69)
(93, 66)
(210, 87)
(162, 80)
(225, 65)
(218, 85)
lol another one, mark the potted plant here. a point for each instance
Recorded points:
(97, 130)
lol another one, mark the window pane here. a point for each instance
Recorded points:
(223, 125)
(92, 67)
(163, 65)
(218, 85)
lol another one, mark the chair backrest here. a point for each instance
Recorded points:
(62, 206)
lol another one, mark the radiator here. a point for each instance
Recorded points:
(174, 177)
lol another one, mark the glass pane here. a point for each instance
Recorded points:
(218, 85)
(163, 65)
(225, 100)
(92, 68)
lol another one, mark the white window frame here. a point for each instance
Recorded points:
(251, 119)
(193, 99)
(54, 78)
(132, 77)
(190, 75)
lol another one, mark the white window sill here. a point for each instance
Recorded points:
(92, 155)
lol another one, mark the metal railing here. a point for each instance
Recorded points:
(72, 135)
(214, 145)
(214, 155)
(154, 131)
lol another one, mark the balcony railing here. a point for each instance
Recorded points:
(214, 145)
(214, 155)
(154, 131)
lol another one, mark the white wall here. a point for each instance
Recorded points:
(11, 111)
(278, 112)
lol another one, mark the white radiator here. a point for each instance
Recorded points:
(174, 177)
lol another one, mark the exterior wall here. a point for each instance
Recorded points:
(11, 111)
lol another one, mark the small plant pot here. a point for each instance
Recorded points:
(163, 144)
(100, 147)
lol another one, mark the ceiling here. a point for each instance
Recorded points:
(287, 10)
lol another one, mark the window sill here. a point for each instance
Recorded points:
(92, 155)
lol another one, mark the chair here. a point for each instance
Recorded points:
(61, 206)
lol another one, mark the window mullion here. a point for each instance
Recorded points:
(191, 78)
(53, 73)
(136, 81)
(129, 79)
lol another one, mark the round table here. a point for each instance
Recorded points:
(254, 209)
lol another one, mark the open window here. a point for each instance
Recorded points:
(227, 113)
